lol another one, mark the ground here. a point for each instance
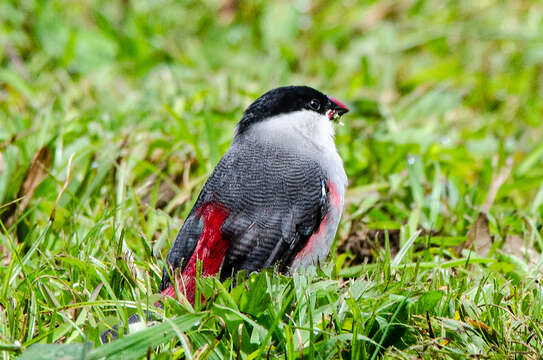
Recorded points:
(113, 113)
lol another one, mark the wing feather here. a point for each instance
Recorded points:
(275, 201)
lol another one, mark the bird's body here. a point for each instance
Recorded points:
(274, 199)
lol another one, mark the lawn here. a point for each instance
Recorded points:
(113, 114)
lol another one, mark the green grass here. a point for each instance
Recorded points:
(113, 113)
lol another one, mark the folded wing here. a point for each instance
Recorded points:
(257, 209)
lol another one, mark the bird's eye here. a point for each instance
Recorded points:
(315, 105)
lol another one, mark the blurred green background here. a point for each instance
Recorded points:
(143, 96)
(453, 84)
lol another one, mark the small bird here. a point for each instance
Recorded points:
(274, 199)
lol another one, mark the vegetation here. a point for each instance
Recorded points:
(113, 113)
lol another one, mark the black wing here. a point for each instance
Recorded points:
(275, 201)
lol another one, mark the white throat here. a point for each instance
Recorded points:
(300, 128)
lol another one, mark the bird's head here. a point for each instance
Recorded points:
(291, 99)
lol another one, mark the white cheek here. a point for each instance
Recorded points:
(299, 129)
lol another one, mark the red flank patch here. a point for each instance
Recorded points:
(210, 250)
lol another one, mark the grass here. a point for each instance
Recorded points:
(113, 113)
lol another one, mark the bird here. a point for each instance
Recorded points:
(274, 199)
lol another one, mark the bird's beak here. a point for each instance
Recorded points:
(337, 108)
